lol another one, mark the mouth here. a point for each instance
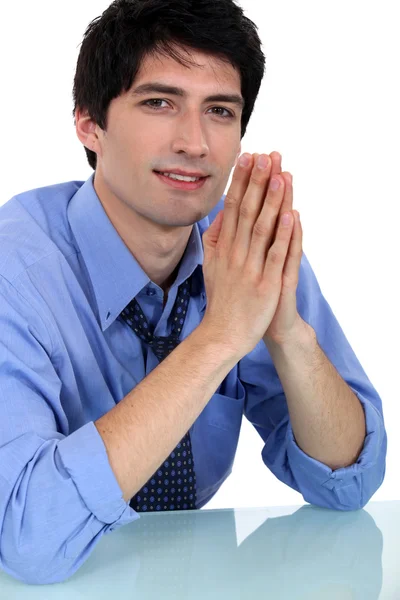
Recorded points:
(182, 185)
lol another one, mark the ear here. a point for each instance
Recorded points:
(86, 130)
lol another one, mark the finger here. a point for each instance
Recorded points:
(287, 202)
(276, 160)
(264, 228)
(276, 169)
(276, 163)
(277, 254)
(233, 199)
(252, 203)
(213, 232)
(291, 269)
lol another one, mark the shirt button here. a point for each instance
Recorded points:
(151, 292)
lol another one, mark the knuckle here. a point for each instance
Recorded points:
(260, 229)
(258, 180)
(290, 282)
(275, 255)
(246, 211)
(238, 175)
(230, 200)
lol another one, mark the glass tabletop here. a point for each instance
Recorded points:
(277, 553)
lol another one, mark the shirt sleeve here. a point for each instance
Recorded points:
(349, 488)
(58, 493)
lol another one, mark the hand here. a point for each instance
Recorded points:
(287, 324)
(245, 250)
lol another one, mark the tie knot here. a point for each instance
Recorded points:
(161, 345)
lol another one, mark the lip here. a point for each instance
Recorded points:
(184, 173)
(182, 185)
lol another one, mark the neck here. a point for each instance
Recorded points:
(157, 249)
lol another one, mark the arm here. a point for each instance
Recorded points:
(326, 416)
(58, 492)
(349, 477)
(160, 410)
(58, 495)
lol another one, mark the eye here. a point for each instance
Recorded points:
(152, 101)
(146, 103)
(228, 116)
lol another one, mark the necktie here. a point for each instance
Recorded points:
(173, 486)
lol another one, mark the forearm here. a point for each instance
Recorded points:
(158, 412)
(326, 416)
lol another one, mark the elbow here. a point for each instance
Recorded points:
(349, 495)
(30, 570)
(41, 563)
(334, 502)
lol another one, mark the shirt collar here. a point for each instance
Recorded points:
(115, 274)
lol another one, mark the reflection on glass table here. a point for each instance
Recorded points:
(313, 553)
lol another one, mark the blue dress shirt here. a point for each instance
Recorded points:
(66, 359)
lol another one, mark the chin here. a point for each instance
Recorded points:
(183, 219)
(174, 223)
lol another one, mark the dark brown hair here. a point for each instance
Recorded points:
(115, 43)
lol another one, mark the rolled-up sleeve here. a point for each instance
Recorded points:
(58, 493)
(348, 488)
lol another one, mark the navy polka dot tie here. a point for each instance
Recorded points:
(173, 486)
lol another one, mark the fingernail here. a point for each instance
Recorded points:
(262, 161)
(244, 160)
(274, 185)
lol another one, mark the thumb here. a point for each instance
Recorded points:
(211, 235)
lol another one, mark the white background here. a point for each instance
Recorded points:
(329, 103)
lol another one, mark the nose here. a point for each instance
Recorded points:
(190, 137)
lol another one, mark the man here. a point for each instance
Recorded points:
(142, 314)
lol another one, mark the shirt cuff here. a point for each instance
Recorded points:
(84, 457)
(323, 475)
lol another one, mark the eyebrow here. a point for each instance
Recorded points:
(161, 88)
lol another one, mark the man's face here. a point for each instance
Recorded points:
(159, 131)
